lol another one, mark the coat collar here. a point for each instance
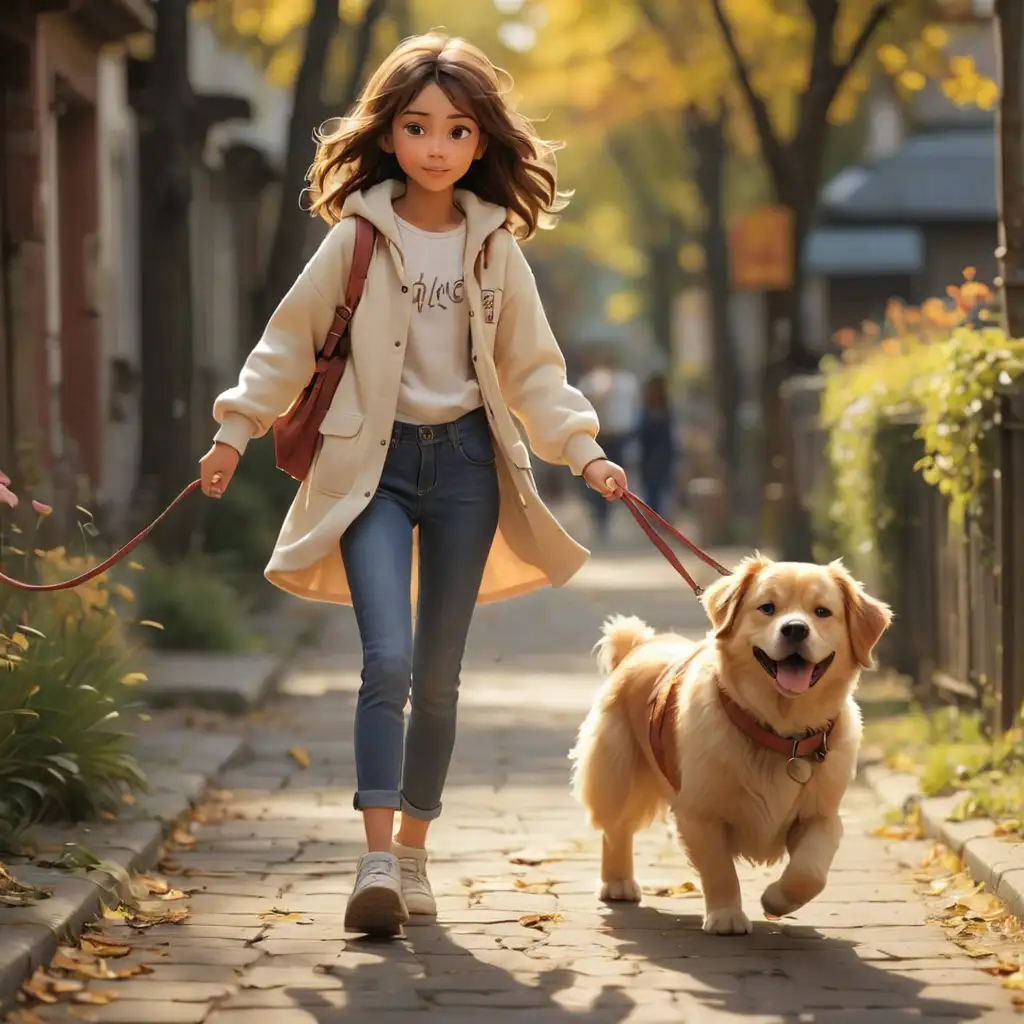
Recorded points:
(375, 204)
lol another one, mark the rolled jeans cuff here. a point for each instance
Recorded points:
(388, 798)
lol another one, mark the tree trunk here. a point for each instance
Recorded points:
(662, 283)
(168, 461)
(288, 243)
(288, 247)
(1009, 25)
(706, 134)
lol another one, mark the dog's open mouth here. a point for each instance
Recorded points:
(794, 674)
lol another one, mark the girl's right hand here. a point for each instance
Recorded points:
(217, 467)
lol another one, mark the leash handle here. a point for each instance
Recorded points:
(116, 557)
(649, 521)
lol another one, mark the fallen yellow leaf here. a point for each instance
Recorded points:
(542, 887)
(274, 914)
(536, 920)
(300, 756)
(107, 950)
(684, 889)
(181, 837)
(95, 997)
(134, 678)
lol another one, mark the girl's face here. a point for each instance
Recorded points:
(435, 142)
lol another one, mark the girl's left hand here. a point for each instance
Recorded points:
(608, 479)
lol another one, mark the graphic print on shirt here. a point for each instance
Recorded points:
(487, 297)
(437, 294)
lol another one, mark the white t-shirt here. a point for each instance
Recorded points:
(438, 382)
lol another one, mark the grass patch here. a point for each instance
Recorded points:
(948, 751)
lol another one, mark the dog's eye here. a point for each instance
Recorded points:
(822, 613)
(768, 608)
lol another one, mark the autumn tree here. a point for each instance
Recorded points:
(784, 73)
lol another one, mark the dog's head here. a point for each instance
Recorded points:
(804, 626)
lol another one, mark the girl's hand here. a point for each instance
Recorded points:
(606, 478)
(217, 467)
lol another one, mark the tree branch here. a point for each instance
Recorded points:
(878, 14)
(774, 153)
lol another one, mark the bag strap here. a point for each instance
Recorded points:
(362, 254)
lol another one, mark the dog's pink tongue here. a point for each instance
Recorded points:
(795, 679)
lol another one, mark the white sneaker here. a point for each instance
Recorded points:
(376, 906)
(416, 891)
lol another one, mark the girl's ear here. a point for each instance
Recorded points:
(386, 142)
(723, 598)
(481, 147)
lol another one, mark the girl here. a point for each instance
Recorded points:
(420, 459)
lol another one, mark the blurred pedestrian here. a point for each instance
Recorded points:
(658, 446)
(615, 394)
(419, 446)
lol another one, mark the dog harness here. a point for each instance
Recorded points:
(661, 717)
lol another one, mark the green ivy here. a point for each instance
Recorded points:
(958, 409)
(948, 389)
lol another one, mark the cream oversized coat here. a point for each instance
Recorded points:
(519, 366)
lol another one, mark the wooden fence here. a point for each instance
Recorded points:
(958, 592)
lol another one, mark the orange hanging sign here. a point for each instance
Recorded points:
(760, 249)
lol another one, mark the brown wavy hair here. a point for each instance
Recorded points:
(517, 170)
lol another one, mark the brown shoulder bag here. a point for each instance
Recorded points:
(297, 432)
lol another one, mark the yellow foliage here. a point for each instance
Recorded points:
(622, 307)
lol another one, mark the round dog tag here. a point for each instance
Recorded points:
(798, 770)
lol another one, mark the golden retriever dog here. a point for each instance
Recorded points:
(749, 737)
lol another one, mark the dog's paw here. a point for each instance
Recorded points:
(775, 903)
(621, 890)
(728, 921)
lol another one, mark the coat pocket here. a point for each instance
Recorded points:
(337, 463)
(519, 455)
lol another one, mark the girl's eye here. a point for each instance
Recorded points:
(767, 608)
(822, 613)
(465, 132)
(413, 129)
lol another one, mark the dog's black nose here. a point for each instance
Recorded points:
(795, 630)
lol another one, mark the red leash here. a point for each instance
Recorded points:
(649, 521)
(116, 557)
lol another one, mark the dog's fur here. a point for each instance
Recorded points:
(736, 798)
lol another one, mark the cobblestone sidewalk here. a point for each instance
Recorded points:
(520, 935)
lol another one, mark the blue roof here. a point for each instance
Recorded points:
(936, 176)
(864, 252)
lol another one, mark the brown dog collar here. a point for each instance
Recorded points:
(815, 744)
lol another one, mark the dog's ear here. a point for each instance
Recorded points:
(723, 598)
(866, 618)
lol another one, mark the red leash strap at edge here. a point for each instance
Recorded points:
(646, 517)
(116, 557)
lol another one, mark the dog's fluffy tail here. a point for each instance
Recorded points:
(620, 635)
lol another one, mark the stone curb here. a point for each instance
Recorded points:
(996, 862)
(232, 683)
(180, 765)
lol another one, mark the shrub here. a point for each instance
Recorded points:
(66, 668)
(920, 392)
(197, 607)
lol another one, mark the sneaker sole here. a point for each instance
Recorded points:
(376, 911)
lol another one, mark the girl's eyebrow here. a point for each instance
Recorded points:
(424, 113)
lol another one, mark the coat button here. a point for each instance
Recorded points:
(405, 288)
(383, 442)
(471, 313)
(366, 494)
(398, 344)
(474, 359)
